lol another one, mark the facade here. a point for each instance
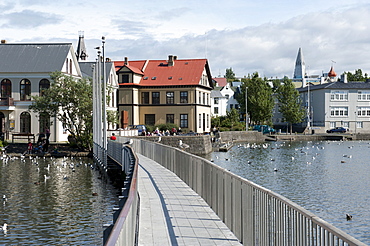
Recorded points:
(218, 103)
(338, 104)
(153, 92)
(24, 72)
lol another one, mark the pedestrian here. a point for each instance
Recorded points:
(113, 137)
(47, 133)
(29, 147)
(45, 145)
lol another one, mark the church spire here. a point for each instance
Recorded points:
(300, 67)
(81, 48)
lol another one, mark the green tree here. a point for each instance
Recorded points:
(260, 100)
(290, 105)
(69, 100)
(230, 75)
(357, 76)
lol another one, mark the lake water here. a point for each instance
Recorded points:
(327, 178)
(57, 210)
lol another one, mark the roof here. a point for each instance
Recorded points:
(220, 81)
(87, 68)
(159, 73)
(28, 58)
(337, 86)
(215, 93)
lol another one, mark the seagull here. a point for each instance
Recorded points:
(183, 145)
(4, 198)
(129, 142)
(349, 217)
(275, 169)
(4, 228)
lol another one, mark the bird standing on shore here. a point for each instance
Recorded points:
(4, 228)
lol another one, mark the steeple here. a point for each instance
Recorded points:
(81, 48)
(300, 67)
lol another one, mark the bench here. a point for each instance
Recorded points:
(29, 136)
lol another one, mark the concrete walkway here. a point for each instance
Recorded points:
(171, 213)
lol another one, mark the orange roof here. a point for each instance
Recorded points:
(331, 73)
(158, 73)
(221, 81)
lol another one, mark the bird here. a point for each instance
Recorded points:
(46, 177)
(129, 142)
(4, 198)
(349, 217)
(275, 169)
(183, 145)
(4, 228)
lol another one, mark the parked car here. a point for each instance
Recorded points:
(140, 128)
(265, 129)
(337, 129)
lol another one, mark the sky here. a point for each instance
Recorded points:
(248, 36)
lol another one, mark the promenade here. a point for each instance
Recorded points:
(171, 213)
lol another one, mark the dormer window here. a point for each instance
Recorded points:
(154, 78)
(170, 77)
(145, 78)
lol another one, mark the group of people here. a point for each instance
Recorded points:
(42, 144)
(167, 132)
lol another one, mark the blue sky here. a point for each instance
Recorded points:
(248, 36)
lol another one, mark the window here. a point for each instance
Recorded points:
(200, 120)
(200, 98)
(215, 110)
(145, 97)
(183, 97)
(125, 78)
(332, 125)
(44, 122)
(207, 120)
(227, 96)
(339, 111)
(204, 98)
(25, 122)
(170, 118)
(150, 119)
(184, 120)
(25, 90)
(339, 95)
(215, 100)
(43, 85)
(363, 95)
(155, 97)
(237, 106)
(359, 124)
(6, 88)
(345, 124)
(170, 97)
(231, 106)
(363, 111)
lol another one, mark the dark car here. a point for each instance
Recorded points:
(337, 129)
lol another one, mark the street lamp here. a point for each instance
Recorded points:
(104, 99)
(246, 109)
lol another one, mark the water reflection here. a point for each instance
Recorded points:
(57, 210)
(329, 179)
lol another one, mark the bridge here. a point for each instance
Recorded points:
(158, 198)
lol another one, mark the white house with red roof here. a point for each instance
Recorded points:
(177, 91)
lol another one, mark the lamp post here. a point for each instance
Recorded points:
(104, 99)
(246, 109)
(355, 122)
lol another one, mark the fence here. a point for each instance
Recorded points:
(256, 215)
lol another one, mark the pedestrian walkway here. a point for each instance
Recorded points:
(171, 213)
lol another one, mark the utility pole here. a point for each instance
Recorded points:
(246, 110)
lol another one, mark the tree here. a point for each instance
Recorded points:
(260, 100)
(69, 100)
(290, 105)
(230, 75)
(357, 76)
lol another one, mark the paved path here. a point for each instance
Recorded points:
(171, 213)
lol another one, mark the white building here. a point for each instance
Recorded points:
(223, 100)
(24, 72)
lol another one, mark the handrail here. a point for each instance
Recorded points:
(124, 229)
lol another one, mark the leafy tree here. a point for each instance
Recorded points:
(289, 103)
(69, 100)
(357, 76)
(230, 75)
(260, 100)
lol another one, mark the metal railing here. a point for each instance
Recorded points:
(257, 216)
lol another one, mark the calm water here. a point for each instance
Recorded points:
(57, 210)
(329, 179)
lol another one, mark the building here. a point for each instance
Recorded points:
(218, 103)
(338, 104)
(24, 72)
(153, 92)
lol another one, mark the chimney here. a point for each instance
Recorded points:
(171, 61)
(343, 78)
(3, 41)
(126, 60)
